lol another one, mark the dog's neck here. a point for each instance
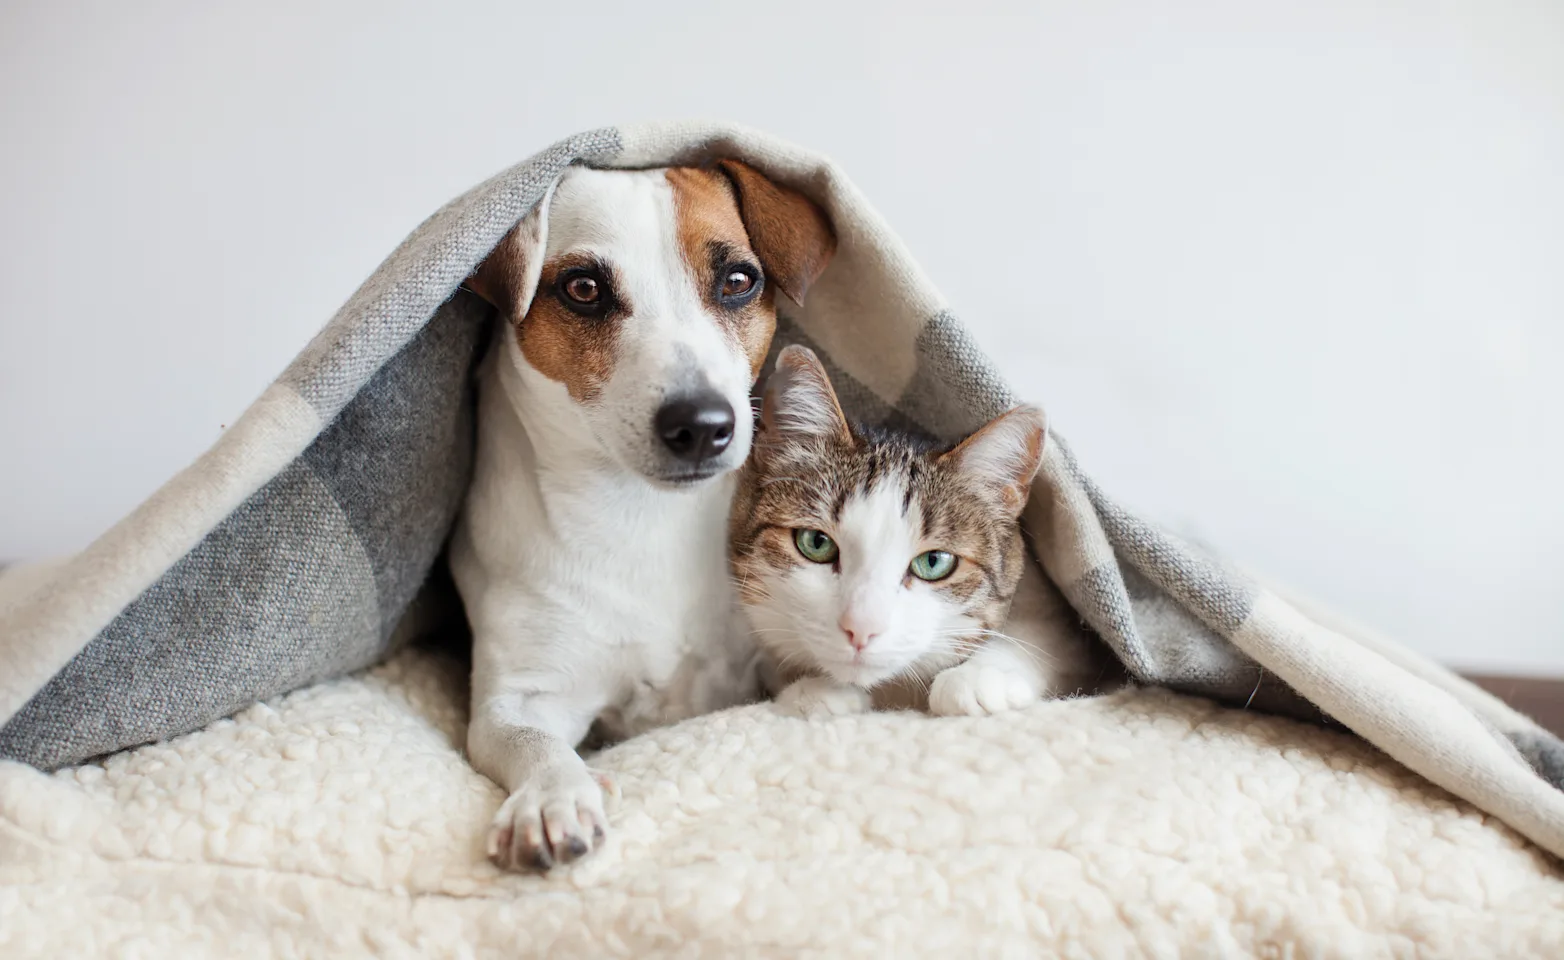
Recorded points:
(560, 443)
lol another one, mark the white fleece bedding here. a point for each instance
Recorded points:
(342, 820)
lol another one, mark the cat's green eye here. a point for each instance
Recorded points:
(815, 545)
(933, 565)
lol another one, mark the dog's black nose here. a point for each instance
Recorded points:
(696, 426)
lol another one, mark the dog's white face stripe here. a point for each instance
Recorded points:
(593, 594)
(669, 341)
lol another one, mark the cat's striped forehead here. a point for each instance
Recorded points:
(866, 553)
(811, 483)
(885, 501)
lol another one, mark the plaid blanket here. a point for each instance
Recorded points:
(295, 549)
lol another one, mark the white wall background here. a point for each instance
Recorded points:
(1289, 276)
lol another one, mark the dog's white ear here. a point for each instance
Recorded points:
(799, 401)
(508, 276)
(1005, 454)
(791, 235)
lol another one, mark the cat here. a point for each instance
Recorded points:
(877, 570)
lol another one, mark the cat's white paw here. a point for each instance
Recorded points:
(974, 689)
(817, 698)
(555, 818)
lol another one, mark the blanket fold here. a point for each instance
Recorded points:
(290, 552)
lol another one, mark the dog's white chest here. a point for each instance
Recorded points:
(602, 590)
(668, 640)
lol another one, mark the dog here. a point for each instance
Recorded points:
(637, 309)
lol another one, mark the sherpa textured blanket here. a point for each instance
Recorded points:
(293, 550)
(342, 821)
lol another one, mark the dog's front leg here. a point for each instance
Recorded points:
(554, 813)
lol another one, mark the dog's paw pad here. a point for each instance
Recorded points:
(550, 822)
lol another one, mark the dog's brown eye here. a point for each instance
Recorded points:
(583, 289)
(738, 283)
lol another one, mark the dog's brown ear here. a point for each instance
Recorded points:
(790, 234)
(508, 276)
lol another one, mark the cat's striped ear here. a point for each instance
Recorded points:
(1005, 454)
(799, 402)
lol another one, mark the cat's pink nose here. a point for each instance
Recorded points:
(859, 633)
(858, 640)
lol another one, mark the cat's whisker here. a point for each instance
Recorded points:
(792, 657)
(755, 592)
(742, 585)
(868, 492)
(960, 638)
(1029, 648)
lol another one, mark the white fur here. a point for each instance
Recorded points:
(810, 608)
(817, 698)
(807, 612)
(594, 590)
(997, 678)
(342, 821)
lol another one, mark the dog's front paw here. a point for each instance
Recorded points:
(975, 689)
(817, 698)
(555, 818)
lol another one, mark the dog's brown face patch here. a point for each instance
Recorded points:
(717, 252)
(736, 239)
(570, 330)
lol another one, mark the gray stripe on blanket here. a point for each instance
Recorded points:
(1223, 598)
(1162, 643)
(1166, 612)
(1544, 752)
(1102, 601)
(859, 402)
(284, 571)
(954, 390)
(399, 456)
(397, 299)
(305, 581)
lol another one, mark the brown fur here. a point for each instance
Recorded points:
(734, 207)
(801, 366)
(792, 235)
(1015, 490)
(957, 514)
(565, 347)
(802, 481)
(560, 344)
(498, 277)
(709, 223)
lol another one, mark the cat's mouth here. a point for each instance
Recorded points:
(861, 671)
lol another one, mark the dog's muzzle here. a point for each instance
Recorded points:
(696, 427)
